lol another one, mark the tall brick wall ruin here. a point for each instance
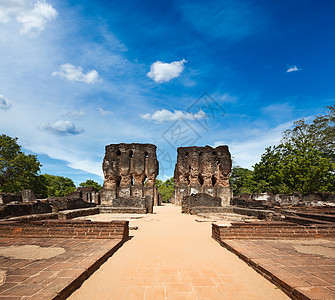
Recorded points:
(203, 170)
(130, 171)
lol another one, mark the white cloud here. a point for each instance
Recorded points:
(163, 115)
(104, 112)
(163, 72)
(86, 165)
(4, 103)
(72, 156)
(60, 128)
(73, 73)
(32, 17)
(293, 69)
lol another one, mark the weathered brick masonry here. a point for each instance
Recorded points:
(271, 230)
(203, 170)
(81, 229)
(130, 171)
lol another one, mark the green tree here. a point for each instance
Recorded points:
(91, 183)
(304, 161)
(166, 188)
(294, 167)
(18, 171)
(241, 180)
(320, 133)
(58, 186)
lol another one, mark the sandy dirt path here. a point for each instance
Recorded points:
(171, 256)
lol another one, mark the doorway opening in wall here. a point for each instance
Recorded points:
(118, 181)
(200, 179)
(145, 179)
(188, 179)
(213, 180)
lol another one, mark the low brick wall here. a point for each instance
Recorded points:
(121, 210)
(29, 218)
(7, 198)
(82, 229)
(258, 213)
(26, 208)
(70, 214)
(271, 230)
(209, 210)
(199, 201)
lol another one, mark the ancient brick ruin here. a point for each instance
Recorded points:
(130, 171)
(203, 170)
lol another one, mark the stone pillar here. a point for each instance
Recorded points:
(149, 203)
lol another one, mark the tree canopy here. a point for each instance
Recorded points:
(92, 183)
(241, 180)
(320, 133)
(166, 188)
(303, 162)
(18, 171)
(291, 168)
(58, 186)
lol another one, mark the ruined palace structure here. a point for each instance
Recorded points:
(202, 170)
(130, 171)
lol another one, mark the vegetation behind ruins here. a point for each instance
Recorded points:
(19, 171)
(166, 188)
(58, 186)
(303, 162)
(89, 182)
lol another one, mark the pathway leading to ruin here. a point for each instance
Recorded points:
(172, 256)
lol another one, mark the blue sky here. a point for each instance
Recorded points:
(78, 75)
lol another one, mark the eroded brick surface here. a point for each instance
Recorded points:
(57, 276)
(304, 269)
(130, 171)
(203, 170)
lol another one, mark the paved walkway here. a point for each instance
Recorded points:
(48, 268)
(304, 267)
(172, 256)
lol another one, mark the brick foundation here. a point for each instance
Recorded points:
(81, 229)
(271, 230)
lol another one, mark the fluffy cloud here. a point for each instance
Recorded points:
(163, 72)
(74, 73)
(60, 128)
(4, 103)
(32, 17)
(163, 115)
(104, 112)
(292, 69)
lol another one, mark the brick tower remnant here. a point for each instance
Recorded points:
(130, 171)
(203, 170)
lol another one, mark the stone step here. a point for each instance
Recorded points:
(305, 221)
